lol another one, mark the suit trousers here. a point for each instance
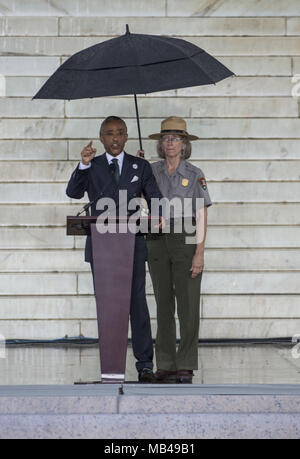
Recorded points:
(170, 260)
(142, 343)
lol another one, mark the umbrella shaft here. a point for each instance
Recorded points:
(138, 121)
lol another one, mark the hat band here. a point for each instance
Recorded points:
(180, 131)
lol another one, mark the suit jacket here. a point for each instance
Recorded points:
(99, 182)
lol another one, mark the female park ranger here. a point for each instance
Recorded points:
(176, 264)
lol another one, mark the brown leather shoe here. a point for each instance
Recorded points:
(184, 376)
(165, 376)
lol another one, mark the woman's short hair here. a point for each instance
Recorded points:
(187, 148)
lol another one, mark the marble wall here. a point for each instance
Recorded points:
(249, 149)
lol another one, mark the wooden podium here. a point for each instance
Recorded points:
(113, 255)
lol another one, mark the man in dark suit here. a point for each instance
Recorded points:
(103, 176)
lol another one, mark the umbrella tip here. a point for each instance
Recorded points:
(127, 29)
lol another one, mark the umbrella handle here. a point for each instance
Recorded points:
(138, 121)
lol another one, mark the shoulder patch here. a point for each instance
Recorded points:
(202, 182)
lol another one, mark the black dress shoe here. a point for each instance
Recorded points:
(146, 376)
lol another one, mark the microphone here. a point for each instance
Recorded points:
(86, 207)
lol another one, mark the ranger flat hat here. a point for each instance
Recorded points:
(173, 125)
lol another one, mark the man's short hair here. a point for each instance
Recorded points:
(111, 118)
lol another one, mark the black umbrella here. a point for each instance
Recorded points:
(133, 64)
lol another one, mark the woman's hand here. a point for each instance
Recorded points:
(140, 154)
(197, 263)
(161, 224)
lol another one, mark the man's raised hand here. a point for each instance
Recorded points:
(88, 154)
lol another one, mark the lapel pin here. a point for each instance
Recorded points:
(134, 166)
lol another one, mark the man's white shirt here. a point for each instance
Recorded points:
(109, 158)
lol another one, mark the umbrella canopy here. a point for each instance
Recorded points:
(133, 64)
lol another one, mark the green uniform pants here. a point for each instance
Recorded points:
(170, 260)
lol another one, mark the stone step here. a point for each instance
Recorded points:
(215, 260)
(233, 8)
(27, 108)
(174, 26)
(35, 238)
(248, 46)
(34, 192)
(207, 149)
(194, 26)
(96, 399)
(204, 128)
(219, 214)
(246, 328)
(149, 107)
(28, 65)
(247, 306)
(42, 329)
(228, 365)
(241, 107)
(37, 214)
(296, 63)
(187, 107)
(213, 307)
(28, 150)
(152, 8)
(218, 237)
(90, 8)
(268, 191)
(234, 86)
(214, 282)
(221, 170)
(37, 171)
(160, 412)
(28, 26)
(214, 149)
(259, 65)
(38, 284)
(45, 307)
(293, 26)
(254, 192)
(253, 213)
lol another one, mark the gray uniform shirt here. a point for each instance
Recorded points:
(188, 181)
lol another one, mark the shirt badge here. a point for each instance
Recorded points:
(184, 182)
(202, 182)
(134, 166)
